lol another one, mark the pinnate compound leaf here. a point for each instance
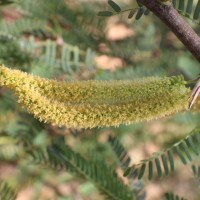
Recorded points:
(105, 13)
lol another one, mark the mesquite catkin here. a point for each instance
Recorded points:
(88, 104)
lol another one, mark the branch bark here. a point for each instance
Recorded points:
(177, 24)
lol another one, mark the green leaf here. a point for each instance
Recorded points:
(186, 150)
(192, 145)
(127, 172)
(171, 160)
(5, 2)
(121, 153)
(150, 169)
(197, 11)
(6, 192)
(181, 5)
(167, 196)
(174, 3)
(114, 6)
(142, 170)
(179, 153)
(164, 160)
(105, 13)
(159, 170)
(185, 8)
(189, 7)
(194, 169)
(131, 13)
(139, 13)
(171, 196)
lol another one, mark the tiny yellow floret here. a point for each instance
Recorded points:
(88, 104)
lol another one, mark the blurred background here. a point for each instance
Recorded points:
(66, 40)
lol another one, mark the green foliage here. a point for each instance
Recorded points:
(191, 9)
(170, 196)
(138, 12)
(163, 162)
(114, 6)
(188, 146)
(6, 193)
(21, 26)
(65, 57)
(60, 156)
(9, 152)
(9, 46)
(196, 171)
(124, 160)
(120, 152)
(105, 13)
(5, 2)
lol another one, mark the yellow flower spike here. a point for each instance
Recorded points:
(87, 104)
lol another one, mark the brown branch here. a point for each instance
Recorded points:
(177, 24)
